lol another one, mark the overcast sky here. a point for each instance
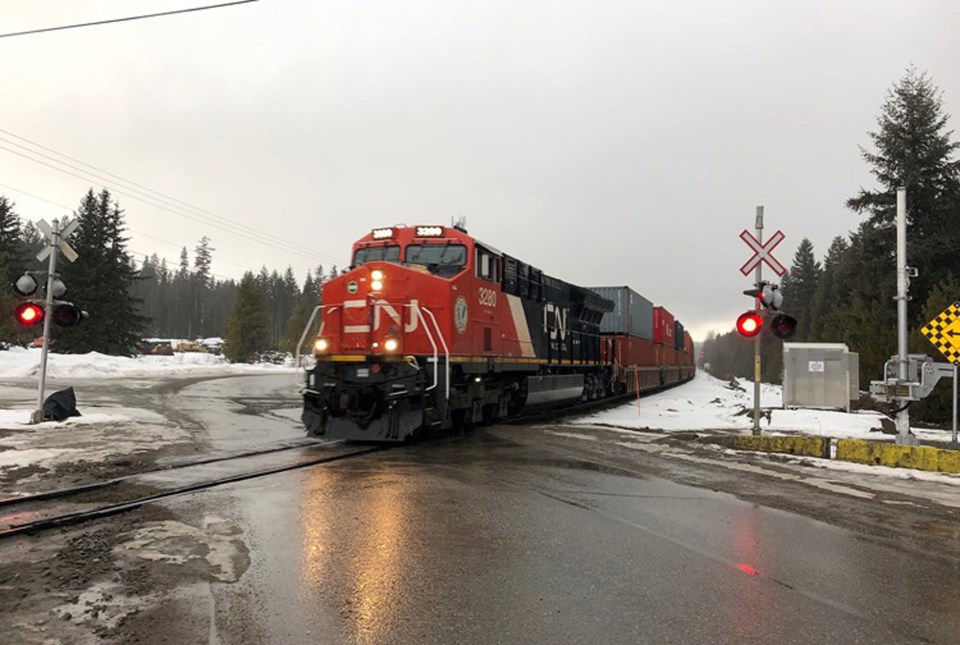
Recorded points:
(605, 142)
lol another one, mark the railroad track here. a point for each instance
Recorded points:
(106, 483)
(42, 519)
(10, 525)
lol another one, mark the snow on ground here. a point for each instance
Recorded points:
(704, 404)
(102, 430)
(707, 403)
(18, 363)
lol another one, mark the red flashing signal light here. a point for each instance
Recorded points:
(28, 314)
(749, 323)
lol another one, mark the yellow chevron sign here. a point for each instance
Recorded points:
(944, 332)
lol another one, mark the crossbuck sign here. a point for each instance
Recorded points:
(762, 253)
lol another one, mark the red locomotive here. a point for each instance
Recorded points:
(431, 328)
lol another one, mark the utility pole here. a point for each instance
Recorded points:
(903, 415)
(758, 279)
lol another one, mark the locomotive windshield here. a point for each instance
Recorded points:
(388, 253)
(441, 259)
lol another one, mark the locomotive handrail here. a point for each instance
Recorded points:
(415, 307)
(446, 353)
(306, 328)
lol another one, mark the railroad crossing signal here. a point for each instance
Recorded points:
(61, 243)
(944, 332)
(762, 253)
(64, 314)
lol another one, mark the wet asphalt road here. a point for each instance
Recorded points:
(500, 537)
(514, 534)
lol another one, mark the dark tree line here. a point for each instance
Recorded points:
(849, 297)
(128, 300)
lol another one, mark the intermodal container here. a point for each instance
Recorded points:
(628, 351)
(667, 355)
(678, 335)
(688, 347)
(632, 313)
(663, 327)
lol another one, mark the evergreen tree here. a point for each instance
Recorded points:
(202, 281)
(182, 287)
(828, 297)
(32, 241)
(248, 332)
(914, 151)
(100, 282)
(298, 320)
(10, 268)
(799, 286)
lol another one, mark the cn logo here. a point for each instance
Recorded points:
(560, 316)
(382, 308)
(382, 311)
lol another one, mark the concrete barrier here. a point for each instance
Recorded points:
(802, 446)
(878, 453)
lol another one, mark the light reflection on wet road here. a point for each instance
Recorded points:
(484, 540)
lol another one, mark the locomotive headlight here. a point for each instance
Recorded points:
(376, 285)
(376, 274)
(321, 345)
(391, 345)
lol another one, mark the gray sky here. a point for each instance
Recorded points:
(606, 142)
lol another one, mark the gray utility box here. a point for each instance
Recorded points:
(820, 375)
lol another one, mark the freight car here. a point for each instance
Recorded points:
(431, 328)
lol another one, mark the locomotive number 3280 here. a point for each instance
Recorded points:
(487, 298)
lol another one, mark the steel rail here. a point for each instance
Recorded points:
(97, 485)
(122, 507)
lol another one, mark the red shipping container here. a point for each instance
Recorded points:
(628, 351)
(663, 327)
(667, 356)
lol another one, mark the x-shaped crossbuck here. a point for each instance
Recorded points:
(762, 253)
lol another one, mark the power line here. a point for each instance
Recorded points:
(234, 228)
(132, 230)
(156, 195)
(127, 19)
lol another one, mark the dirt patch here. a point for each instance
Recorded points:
(107, 581)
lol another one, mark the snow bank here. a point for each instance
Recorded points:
(18, 363)
(707, 403)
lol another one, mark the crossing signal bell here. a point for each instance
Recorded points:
(767, 294)
(749, 324)
(770, 297)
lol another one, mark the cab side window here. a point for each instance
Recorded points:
(488, 265)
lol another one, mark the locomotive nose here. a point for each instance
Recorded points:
(375, 313)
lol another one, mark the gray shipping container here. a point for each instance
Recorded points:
(632, 313)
